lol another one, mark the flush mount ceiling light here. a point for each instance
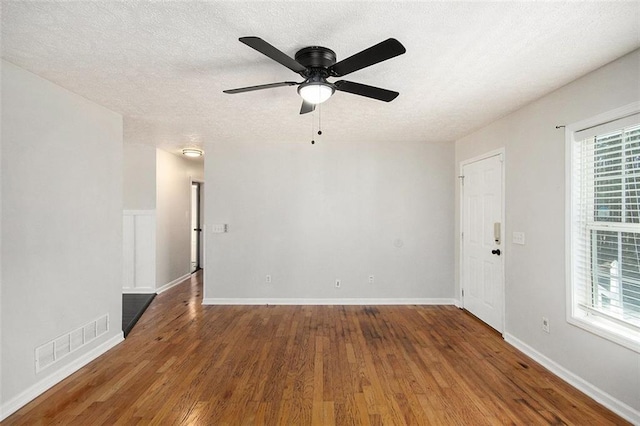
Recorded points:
(192, 152)
(316, 92)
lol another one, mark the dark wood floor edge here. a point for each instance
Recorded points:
(127, 328)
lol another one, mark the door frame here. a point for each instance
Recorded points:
(200, 239)
(503, 231)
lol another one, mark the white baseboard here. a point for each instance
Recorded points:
(54, 378)
(354, 301)
(172, 284)
(138, 290)
(618, 407)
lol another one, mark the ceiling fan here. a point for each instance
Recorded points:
(315, 64)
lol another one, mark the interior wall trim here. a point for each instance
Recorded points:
(326, 301)
(138, 290)
(613, 404)
(171, 284)
(56, 377)
(138, 251)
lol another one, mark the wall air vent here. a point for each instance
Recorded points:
(51, 352)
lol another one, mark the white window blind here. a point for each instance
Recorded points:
(605, 234)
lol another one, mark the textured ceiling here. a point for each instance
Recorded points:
(163, 65)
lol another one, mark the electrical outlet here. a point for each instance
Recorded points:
(371, 279)
(338, 283)
(545, 324)
(268, 279)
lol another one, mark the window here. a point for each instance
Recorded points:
(604, 225)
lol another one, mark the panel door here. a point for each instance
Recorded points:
(482, 241)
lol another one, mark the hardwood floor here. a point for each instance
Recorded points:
(185, 363)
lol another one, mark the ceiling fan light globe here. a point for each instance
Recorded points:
(315, 93)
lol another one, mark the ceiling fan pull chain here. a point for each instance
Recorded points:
(312, 127)
(320, 120)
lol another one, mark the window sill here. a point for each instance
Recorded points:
(606, 329)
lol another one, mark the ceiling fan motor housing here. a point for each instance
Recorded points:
(316, 58)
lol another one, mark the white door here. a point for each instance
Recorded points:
(482, 240)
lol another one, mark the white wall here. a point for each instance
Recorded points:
(61, 226)
(535, 205)
(309, 214)
(1, 291)
(139, 177)
(139, 219)
(203, 225)
(173, 217)
(194, 168)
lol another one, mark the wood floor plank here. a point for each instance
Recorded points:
(185, 363)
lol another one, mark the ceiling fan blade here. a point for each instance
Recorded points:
(307, 107)
(268, 50)
(364, 90)
(260, 87)
(380, 52)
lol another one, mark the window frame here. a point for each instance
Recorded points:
(584, 318)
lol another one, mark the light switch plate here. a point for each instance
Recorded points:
(518, 238)
(219, 229)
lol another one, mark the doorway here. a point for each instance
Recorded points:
(482, 256)
(196, 233)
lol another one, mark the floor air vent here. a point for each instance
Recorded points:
(53, 351)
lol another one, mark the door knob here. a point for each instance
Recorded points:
(496, 251)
